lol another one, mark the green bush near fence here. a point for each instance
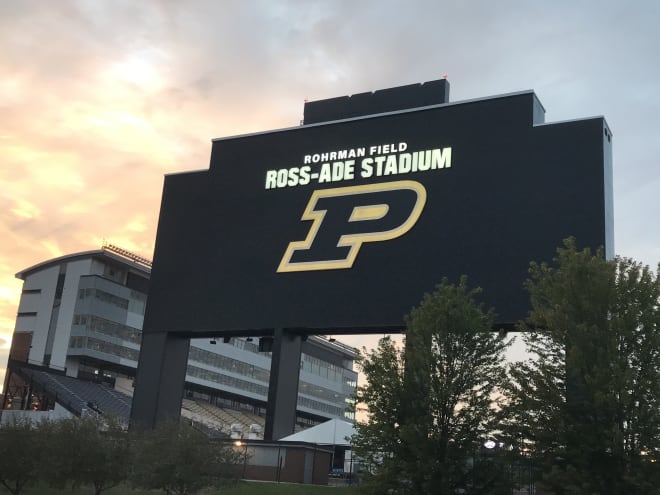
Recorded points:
(240, 488)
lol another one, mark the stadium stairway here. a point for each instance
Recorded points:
(80, 397)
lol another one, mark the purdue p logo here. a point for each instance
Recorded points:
(346, 217)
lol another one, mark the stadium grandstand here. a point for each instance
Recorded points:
(77, 340)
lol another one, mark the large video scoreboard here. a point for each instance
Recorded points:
(342, 226)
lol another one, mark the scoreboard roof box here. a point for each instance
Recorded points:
(342, 226)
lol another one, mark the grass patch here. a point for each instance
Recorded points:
(240, 488)
(257, 488)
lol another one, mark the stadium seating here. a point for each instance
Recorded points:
(81, 397)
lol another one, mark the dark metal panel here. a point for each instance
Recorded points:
(160, 379)
(283, 386)
(380, 101)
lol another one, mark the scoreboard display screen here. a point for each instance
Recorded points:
(342, 226)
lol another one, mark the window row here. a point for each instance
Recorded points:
(104, 347)
(308, 363)
(104, 296)
(136, 303)
(229, 364)
(229, 381)
(314, 361)
(109, 328)
(259, 389)
(332, 372)
(326, 408)
(321, 392)
(249, 370)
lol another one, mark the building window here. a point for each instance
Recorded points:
(109, 328)
(104, 347)
(104, 296)
(137, 302)
(227, 380)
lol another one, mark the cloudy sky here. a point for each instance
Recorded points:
(99, 99)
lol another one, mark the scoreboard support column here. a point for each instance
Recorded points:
(283, 385)
(160, 379)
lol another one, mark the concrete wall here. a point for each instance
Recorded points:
(41, 302)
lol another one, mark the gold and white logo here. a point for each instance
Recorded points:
(382, 211)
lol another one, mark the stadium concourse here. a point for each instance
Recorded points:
(77, 340)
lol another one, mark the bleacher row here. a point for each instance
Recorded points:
(232, 422)
(84, 397)
(236, 424)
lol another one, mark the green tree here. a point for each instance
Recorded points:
(180, 460)
(587, 404)
(432, 405)
(377, 442)
(21, 449)
(87, 451)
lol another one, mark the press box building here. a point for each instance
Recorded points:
(81, 315)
